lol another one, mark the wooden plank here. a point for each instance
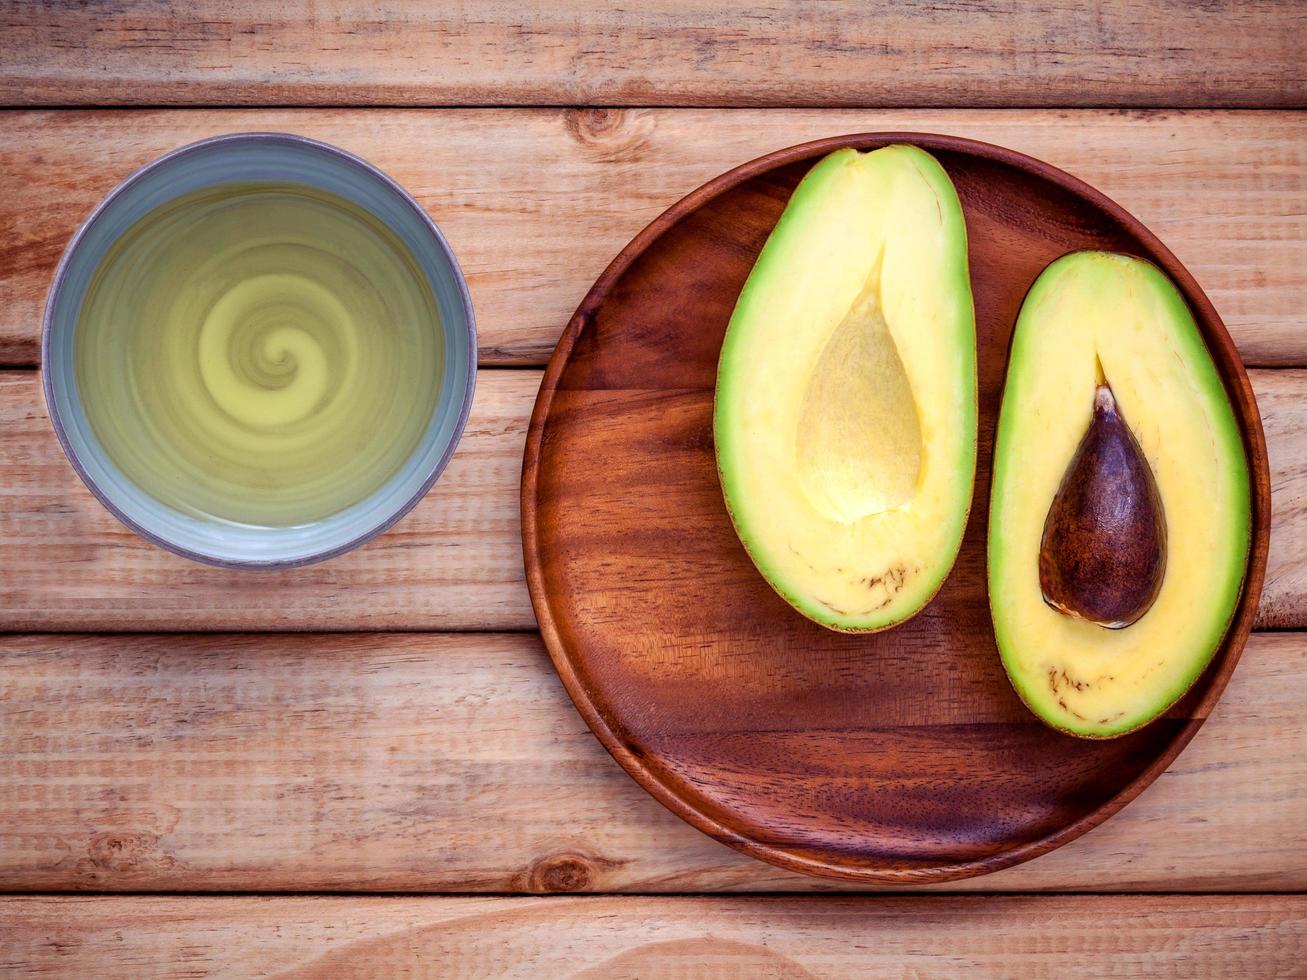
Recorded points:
(452, 763)
(1224, 190)
(455, 562)
(668, 52)
(623, 937)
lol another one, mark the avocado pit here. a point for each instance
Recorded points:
(1103, 552)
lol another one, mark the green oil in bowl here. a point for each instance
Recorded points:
(263, 354)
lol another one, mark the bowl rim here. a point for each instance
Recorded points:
(374, 173)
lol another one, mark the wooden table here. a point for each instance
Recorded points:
(388, 722)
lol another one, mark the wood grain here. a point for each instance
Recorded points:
(626, 937)
(1224, 190)
(405, 762)
(455, 562)
(666, 52)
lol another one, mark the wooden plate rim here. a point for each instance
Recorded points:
(1215, 676)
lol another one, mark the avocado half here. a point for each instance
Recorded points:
(1104, 344)
(845, 413)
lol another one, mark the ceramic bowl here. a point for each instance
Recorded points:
(241, 158)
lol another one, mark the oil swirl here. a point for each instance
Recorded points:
(265, 354)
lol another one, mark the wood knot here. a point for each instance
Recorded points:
(125, 852)
(561, 873)
(611, 135)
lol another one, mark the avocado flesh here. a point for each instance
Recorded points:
(845, 416)
(1085, 310)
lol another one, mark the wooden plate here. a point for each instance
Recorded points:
(899, 757)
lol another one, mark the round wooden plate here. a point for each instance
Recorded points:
(898, 757)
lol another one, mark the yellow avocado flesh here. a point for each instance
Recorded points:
(845, 417)
(1087, 309)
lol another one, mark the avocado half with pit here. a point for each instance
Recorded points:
(1120, 514)
(845, 415)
